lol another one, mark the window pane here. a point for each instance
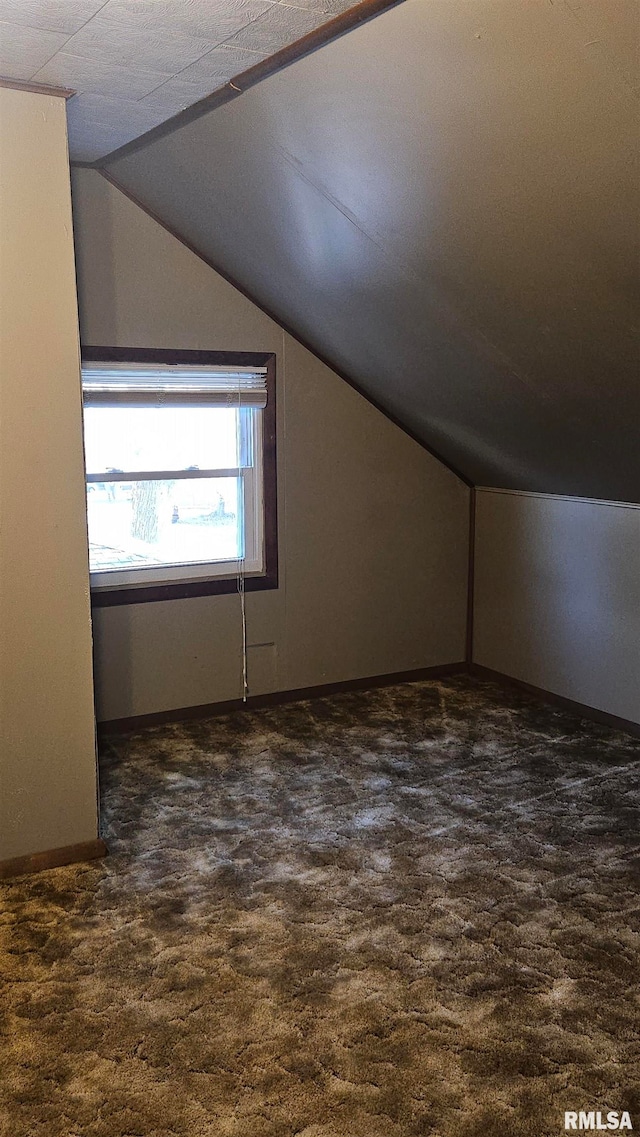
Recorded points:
(165, 438)
(146, 524)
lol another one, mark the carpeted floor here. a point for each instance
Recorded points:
(397, 913)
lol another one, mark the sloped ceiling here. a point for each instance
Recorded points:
(443, 203)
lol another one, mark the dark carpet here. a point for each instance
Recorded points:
(397, 913)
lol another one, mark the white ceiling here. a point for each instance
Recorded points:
(136, 63)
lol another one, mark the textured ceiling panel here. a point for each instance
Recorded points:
(444, 204)
(153, 49)
(214, 20)
(169, 53)
(221, 64)
(51, 15)
(24, 50)
(118, 114)
(94, 77)
(276, 28)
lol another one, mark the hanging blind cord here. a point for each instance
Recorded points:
(241, 590)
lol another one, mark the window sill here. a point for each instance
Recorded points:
(145, 594)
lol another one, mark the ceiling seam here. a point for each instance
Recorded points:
(70, 37)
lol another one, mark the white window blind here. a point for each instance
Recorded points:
(155, 385)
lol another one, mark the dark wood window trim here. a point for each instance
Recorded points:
(143, 594)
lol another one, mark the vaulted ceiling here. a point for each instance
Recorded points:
(443, 203)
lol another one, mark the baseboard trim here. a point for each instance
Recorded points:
(53, 858)
(581, 709)
(254, 702)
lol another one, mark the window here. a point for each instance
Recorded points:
(180, 460)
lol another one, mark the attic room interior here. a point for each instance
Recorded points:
(320, 568)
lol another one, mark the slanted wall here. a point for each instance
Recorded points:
(373, 530)
(444, 204)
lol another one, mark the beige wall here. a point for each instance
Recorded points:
(557, 596)
(47, 769)
(373, 530)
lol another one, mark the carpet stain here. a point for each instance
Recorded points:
(405, 912)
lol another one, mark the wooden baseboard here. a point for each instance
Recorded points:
(581, 709)
(206, 710)
(53, 858)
